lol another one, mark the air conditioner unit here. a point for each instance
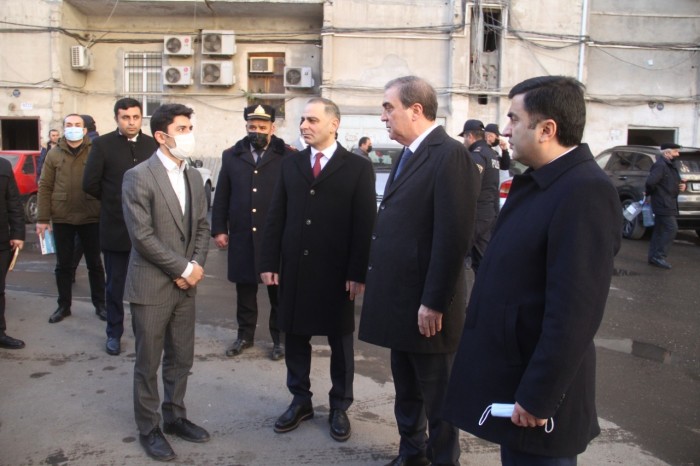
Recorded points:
(298, 76)
(217, 73)
(177, 45)
(261, 65)
(218, 43)
(177, 75)
(80, 58)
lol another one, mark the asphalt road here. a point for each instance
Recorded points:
(648, 371)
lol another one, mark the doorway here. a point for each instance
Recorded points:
(651, 136)
(19, 133)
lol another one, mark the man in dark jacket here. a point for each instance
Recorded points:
(416, 281)
(67, 210)
(315, 248)
(12, 233)
(111, 156)
(664, 185)
(488, 203)
(54, 135)
(540, 293)
(249, 172)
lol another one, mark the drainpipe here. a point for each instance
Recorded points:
(582, 44)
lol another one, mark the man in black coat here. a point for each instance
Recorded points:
(541, 290)
(110, 157)
(249, 172)
(488, 203)
(664, 185)
(416, 285)
(12, 233)
(315, 247)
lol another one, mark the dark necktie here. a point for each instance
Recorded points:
(405, 155)
(317, 164)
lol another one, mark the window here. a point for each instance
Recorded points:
(486, 32)
(142, 79)
(261, 85)
(28, 167)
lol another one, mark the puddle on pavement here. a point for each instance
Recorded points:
(639, 349)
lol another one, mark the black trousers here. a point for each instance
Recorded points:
(510, 457)
(247, 311)
(5, 258)
(64, 235)
(298, 359)
(665, 229)
(116, 265)
(420, 381)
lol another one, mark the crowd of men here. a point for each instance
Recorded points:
(306, 225)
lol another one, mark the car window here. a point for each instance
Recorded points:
(602, 159)
(644, 162)
(11, 158)
(621, 161)
(28, 166)
(383, 157)
(689, 162)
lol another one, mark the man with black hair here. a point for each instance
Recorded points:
(249, 172)
(364, 147)
(110, 157)
(54, 135)
(541, 290)
(165, 212)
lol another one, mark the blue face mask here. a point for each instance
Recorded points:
(73, 133)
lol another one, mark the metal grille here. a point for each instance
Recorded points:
(143, 80)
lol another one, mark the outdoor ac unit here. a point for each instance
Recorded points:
(261, 65)
(177, 45)
(80, 58)
(218, 43)
(177, 75)
(298, 76)
(217, 73)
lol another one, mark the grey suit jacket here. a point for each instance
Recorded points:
(161, 248)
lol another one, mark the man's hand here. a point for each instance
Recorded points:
(16, 244)
(221, 240)
(522, 418)
(429, 321)
(354, 288)
(270, 278)
(182, 283)
(196, 275)
(41, 228)
(503, 143)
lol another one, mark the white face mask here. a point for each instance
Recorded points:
(73, 133)
(184, 145)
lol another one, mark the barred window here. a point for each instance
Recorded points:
(142, 79)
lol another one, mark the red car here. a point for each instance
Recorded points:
(24, 163)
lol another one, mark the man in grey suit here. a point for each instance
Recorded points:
(165, 212)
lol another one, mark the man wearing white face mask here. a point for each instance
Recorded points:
(72, 212)
(165, 213)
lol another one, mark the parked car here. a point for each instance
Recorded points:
(382, 160)
(506, 179)
(24, 163)
(628, 168)
(206, 178)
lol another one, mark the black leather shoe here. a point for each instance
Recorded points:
(113, 346)
(156, 445)
(237, 347)
(186, 430)
(101, 312)
(340, 425)
(418, 460)
(660, 263)
(277, 352)
(59, 315)
(8, 342)
(294, 416)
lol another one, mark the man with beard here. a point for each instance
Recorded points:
(249, 172)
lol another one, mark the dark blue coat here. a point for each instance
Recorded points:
(423, 231)
(243, 195)
(537, 302)
(663, 185)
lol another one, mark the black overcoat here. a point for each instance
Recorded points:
(423, 231)
(110, 157)
(243, 195)
(537, 302)
(11, 212)
(317, 237)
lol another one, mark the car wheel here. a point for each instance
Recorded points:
(207, 193)
(31, 209)
(634, 229)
